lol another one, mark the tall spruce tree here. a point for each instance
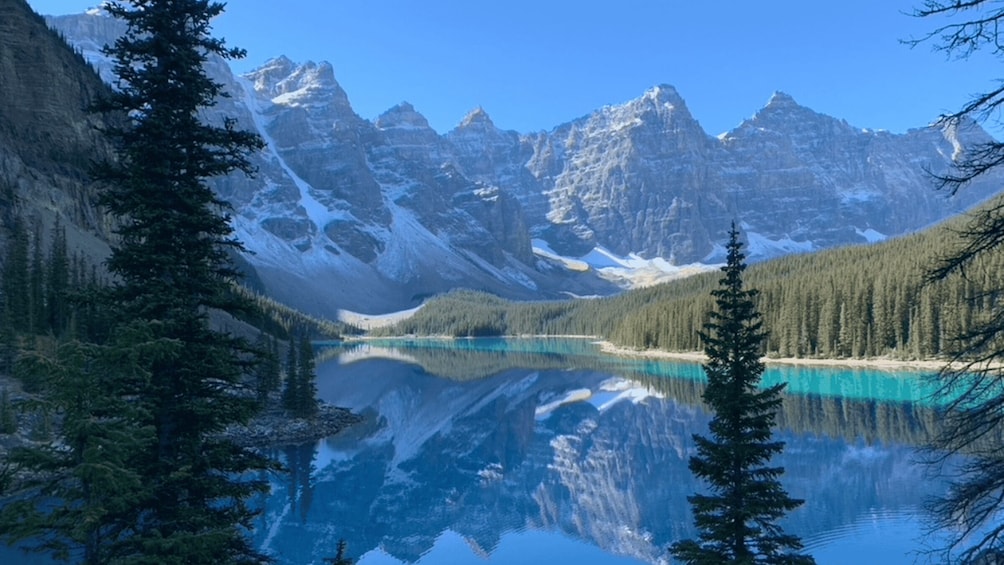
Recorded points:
(16, 278)
(306, 402)
(268, 373)
(290, 391)
(36, 281)
(737, 519)
(171, 269)
(57, 280)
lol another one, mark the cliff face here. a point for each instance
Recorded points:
(48, 138)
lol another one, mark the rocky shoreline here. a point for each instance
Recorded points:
(275, 427)
(272, 427)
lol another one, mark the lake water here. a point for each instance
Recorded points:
(544, 451)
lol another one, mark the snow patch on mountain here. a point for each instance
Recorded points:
(578, 395)
(760, 247)
(870, 235)
(627, 272)
(365, 352)
(617, 390)
(373, 321)
(542, 249)
(318, 213)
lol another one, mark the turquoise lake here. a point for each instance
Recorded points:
(546, 451)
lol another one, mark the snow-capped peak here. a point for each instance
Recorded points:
(281, 64)
(477, 118)
(288, 83)
(348, 212)
(663, 93)
(402, 116)
(663, 100)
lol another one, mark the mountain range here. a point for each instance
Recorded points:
(376, 215)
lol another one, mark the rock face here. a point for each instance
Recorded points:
(344, 212)
(375, 216)
(48, 139)
(644, 177)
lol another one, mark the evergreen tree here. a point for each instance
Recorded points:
(36, 281)
(171, 268)
(290, 392)
(91, 470)
(306, 389)
(268, 372)
(299, 396)
(16, 279)
(142, 470)
(340, 558)
(738, 519)
(58, 283)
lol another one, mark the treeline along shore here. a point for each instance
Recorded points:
(861, 302)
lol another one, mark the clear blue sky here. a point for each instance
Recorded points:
(534, 64)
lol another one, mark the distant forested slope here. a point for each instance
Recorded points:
(861, 301)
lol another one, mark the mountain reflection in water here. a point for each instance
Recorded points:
(544, 443)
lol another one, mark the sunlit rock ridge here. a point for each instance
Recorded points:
(378, 215)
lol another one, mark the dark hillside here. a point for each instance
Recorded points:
(48, 139)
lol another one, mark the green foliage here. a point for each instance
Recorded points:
(16, 278)
(306, 405)
(104, 433)
(299, 396)
(268, 372)
(290, 392)
(36, 285)
(57, 288)
(279, 320)
(142, 468)
(172, 267)
(863, 301)
(737, 521)
(35, 289)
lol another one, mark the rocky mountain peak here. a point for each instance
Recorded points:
(664, 94)
(781, 108)
(659, 104)
(781, 100)
(402, 116)
(267, 77)
(389, 212)
(477, 119)
(287, 83)
(783, 116)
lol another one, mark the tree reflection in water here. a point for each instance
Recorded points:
(583, 446)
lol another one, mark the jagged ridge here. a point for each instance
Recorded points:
(374, 216)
